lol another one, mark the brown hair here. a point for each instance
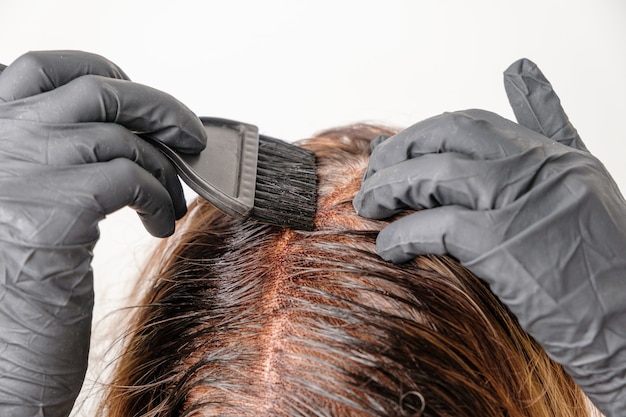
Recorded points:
(247, 319)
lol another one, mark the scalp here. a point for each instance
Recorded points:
(247, 319)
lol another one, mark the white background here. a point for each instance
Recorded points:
(296, 67)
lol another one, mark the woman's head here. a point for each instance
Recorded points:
(246, 319)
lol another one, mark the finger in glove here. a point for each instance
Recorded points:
(87, 143)
(40, 71)
(536, 104)
(92, 98)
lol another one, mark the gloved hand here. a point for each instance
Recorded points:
(69, 155)
(532, 212)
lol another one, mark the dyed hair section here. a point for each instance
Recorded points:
(247, 319)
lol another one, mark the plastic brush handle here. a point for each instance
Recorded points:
(225, 172)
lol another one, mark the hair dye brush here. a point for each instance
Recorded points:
(245, 174)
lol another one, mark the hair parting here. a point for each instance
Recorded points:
(249, 319)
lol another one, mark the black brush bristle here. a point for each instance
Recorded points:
(286, 185)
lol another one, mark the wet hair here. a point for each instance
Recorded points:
(247, 319)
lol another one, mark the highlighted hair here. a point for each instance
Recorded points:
(246, 319)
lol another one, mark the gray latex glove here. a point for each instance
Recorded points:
(530, 211)
(68, 157)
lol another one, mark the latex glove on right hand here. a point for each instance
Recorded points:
(532, 212)
(69, 155)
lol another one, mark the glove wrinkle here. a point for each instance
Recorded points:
(39, 71)
(536, 105)
(68, 157)
(528, 209)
